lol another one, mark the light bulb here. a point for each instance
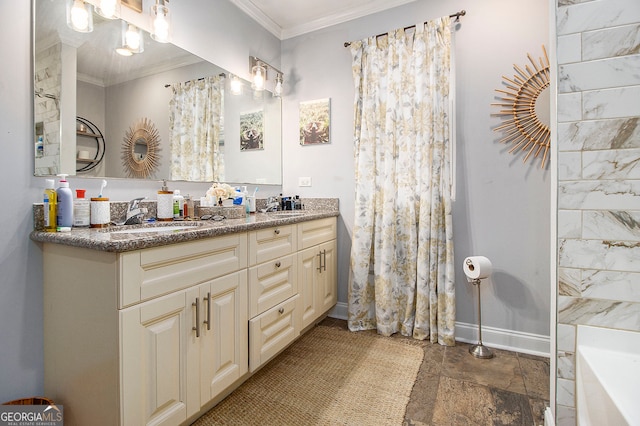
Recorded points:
(160, 24)
(277, 90)
(236, 85)
(258, 77)
(108, 9)
(79, 17)
(132, 38)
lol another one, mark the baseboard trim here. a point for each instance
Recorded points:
(510, 340)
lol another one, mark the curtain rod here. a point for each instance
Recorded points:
(197, 79)
(456, 15)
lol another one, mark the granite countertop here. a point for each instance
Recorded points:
(106, 240)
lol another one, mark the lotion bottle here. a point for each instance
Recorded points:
(50, 206)
(64, 215)
(165, 203)
(81, 210)
(178, 205)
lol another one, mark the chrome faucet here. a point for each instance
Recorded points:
(135, 213)
(272, 205)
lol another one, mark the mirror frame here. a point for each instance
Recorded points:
(134, 166)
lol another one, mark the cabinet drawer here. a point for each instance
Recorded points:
(148, 273)
(271, 243)
(272, 282)
(272, 331)
(316, 232)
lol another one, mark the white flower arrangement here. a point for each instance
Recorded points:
(220, 191)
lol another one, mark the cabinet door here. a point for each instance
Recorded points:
(308, 261)
(272, 331)
(327, 277)
(317, 281)
(223, 334)
(156, 364)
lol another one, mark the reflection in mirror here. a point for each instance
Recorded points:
(81, 75)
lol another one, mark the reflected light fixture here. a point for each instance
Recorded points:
(160, 23)
(277, 90)
(109, 9)
(79, 16)
(235, 85)
(132, 40)
(259, 76)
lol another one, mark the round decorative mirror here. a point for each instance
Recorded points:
(526, 113)
(140, 150)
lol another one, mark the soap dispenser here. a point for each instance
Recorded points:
(64, 216)
(165, 203)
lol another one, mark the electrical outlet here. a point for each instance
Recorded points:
(304, 181)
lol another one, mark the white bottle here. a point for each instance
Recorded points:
(165, 203)
(178, 205)
(245, 195)
(81, 210)
(64, 216)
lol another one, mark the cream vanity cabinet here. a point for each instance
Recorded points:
(317, 269)
(147, 336)
(273, 292)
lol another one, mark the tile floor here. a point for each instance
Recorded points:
(454, 388)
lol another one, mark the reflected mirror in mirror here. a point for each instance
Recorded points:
(80, 74)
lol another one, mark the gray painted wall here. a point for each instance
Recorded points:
(502, 206)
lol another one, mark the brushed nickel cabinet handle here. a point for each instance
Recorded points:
(278, 264)
(197, 327)
(281, 311)
(277, 231)
(208, 320)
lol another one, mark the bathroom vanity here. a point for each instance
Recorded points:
(142, 328)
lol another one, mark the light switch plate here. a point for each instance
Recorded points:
(304, 181)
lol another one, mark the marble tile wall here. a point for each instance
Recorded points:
(598, 54)
(48, 69)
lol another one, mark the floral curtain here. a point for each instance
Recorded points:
(403, 165)
(195, 126)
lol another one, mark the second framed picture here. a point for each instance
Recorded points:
(315, 117)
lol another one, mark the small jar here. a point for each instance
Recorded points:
(100, 212)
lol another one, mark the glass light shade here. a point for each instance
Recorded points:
(236, 85)
(277, 90)
(79, 16)
(160, 23)
(109, 9)
(259, 74)
(132, 40)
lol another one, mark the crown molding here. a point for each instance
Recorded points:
(265, 21)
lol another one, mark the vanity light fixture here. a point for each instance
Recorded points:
(235, 85)
(277, 90)
(132, 40)
(259, 76)
(109, 9)
(160, 22)
(79, 16)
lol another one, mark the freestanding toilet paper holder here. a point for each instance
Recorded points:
(479, 350)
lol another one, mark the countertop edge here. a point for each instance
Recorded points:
(96, 239)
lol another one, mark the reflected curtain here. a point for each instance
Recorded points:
(195, 114)
(402, 272)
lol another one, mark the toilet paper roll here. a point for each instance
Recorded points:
(477, 267)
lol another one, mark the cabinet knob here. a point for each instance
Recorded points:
(278, 264)
(277, 231)
(281, 311)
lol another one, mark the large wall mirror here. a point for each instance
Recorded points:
(80, 75)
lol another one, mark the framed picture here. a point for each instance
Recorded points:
(252, 130)
(315, 117)
(133, 4)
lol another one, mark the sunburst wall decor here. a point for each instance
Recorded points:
(523, 126)
(141, 148)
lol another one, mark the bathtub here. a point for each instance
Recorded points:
(607, 377)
